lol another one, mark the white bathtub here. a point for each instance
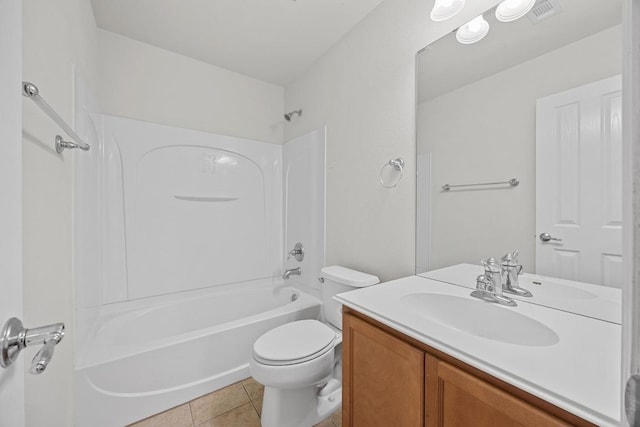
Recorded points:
(148, 356)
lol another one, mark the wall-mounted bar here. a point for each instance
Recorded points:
(195, 198)
(31, 91)
(512, 182)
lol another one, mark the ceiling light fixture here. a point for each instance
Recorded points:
(510, 10)
(445, 9)
(473, 31)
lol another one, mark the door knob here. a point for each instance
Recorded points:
(15, 337)
(545, 237)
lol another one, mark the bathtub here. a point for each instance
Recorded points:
(148, 356)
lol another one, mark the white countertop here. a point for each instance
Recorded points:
(599, 302)
(580, 373)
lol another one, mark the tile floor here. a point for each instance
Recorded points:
(237, 405)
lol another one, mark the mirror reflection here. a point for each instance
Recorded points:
(536, 100)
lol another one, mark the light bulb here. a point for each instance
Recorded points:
(473, 31)
(445, 9)
(510, 10)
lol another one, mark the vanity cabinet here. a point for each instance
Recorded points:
(385, 385)
(461, 399)
(390, 379)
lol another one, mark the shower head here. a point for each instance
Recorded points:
(289, 115)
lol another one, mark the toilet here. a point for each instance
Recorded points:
(300, 363)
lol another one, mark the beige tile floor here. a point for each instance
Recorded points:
(237, 405)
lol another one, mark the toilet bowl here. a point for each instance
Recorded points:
(299, 363)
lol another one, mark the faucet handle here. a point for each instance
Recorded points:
(297, 252)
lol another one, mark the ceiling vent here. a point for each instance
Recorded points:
(544, 9)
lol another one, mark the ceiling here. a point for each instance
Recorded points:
(271, 40)
(446, 65)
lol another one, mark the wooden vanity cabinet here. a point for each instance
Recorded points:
(385, 385)
(391, 380)
(461, 399)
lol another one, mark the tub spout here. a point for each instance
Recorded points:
(292, 272)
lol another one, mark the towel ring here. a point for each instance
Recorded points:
(397, 165)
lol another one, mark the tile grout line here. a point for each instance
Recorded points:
(231, 409)
(250, 398)
(253, 405)
(248, 395)
(193, 423)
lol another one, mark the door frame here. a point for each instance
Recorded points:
(631, 194)
(12, 398)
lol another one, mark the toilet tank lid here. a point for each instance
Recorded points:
(349, 277)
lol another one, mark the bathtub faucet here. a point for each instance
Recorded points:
(292, 272)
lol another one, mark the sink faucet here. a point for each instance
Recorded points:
(489, 284)
(292, 272)
(510, 272)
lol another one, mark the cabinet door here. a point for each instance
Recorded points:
(456, 398)
(383, 378)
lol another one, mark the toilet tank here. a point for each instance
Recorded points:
(337, 280)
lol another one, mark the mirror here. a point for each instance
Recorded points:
(537, 100)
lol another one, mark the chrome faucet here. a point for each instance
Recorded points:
(489, 284)
(484, 289)
(292, 272)
(510, 272)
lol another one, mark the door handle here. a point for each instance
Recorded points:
(15, 337)
(545, 237)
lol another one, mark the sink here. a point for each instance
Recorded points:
(481, 319)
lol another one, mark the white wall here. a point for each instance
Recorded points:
(143, 82)
(498, 142)
(363, 89)
(57, 37)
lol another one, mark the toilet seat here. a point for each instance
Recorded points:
(294, 343)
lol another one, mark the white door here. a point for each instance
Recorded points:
(12, 378)
(579, 184)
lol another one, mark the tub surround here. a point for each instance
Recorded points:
(578, 374)
(599, 302)
(181, 205)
